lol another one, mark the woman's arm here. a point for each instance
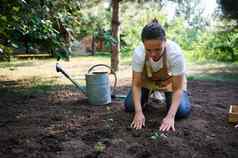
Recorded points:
(139, 119)
(168, 121)
(136, 90)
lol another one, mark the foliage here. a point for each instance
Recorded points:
(133, 21)
(37, 23)
(95, 19)
(224, 46)
(176, 29)
(107, 38)
(220, 44)
(188, 29)
(185, 37)
(46, 24)
(200, 41)
(192, 12)
(5, 53)
(229, 8)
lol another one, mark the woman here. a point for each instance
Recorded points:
(158, 64)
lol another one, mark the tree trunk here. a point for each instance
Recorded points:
(232, 56)
(115, 35)
(93, 45)
(26, 44)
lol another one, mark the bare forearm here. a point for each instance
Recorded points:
(139, 118)
(176, 98)
(136, 92)
(168, 121)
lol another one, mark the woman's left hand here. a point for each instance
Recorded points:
(167, 124)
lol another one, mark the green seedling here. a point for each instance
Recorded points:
(99, 147)
(158, 136)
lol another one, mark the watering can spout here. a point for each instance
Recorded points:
(60, 69)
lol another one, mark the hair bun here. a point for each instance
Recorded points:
(155, 20)
(153, 30)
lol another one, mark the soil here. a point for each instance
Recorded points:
(61, 124)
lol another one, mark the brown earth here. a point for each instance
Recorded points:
(61, 124)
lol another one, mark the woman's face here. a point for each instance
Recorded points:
(154, 48)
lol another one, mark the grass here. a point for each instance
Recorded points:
(40, 75)
(36, 76)
(214, 77)
(214, 71)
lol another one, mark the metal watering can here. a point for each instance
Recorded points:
(98, 89)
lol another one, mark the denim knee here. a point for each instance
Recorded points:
(184, 107)
(128, 102)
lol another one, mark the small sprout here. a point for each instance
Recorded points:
(155, 136)
(99, 147)
(162, 135)
(158, 135)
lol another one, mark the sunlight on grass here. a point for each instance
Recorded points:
(19, 69)
(217, 71)
(41, 75)
(214, 77)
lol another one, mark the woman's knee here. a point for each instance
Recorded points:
(128, 103)
(182, 114)
(128, 107)
(184, 109)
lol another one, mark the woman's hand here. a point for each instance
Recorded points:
(138, 121)
(167, 124)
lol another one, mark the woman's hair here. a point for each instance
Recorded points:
(153, 30)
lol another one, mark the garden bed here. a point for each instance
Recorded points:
(62, 124)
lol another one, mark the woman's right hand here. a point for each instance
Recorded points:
(138, 121)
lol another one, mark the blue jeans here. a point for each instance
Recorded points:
(183, 110)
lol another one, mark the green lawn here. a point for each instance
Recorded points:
(213, 71)
(41, 74)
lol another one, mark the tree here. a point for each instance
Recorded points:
(230, 9)
(33, 23)
(192, 12)
(115, 35)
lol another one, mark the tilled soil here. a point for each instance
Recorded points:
(61, 124)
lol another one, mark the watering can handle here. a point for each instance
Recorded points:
(112, 72)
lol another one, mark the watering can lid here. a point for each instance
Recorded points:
(100, 72)
(97, 73)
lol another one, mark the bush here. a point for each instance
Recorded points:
(5, 53)
(217, 45)
(133, 20)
